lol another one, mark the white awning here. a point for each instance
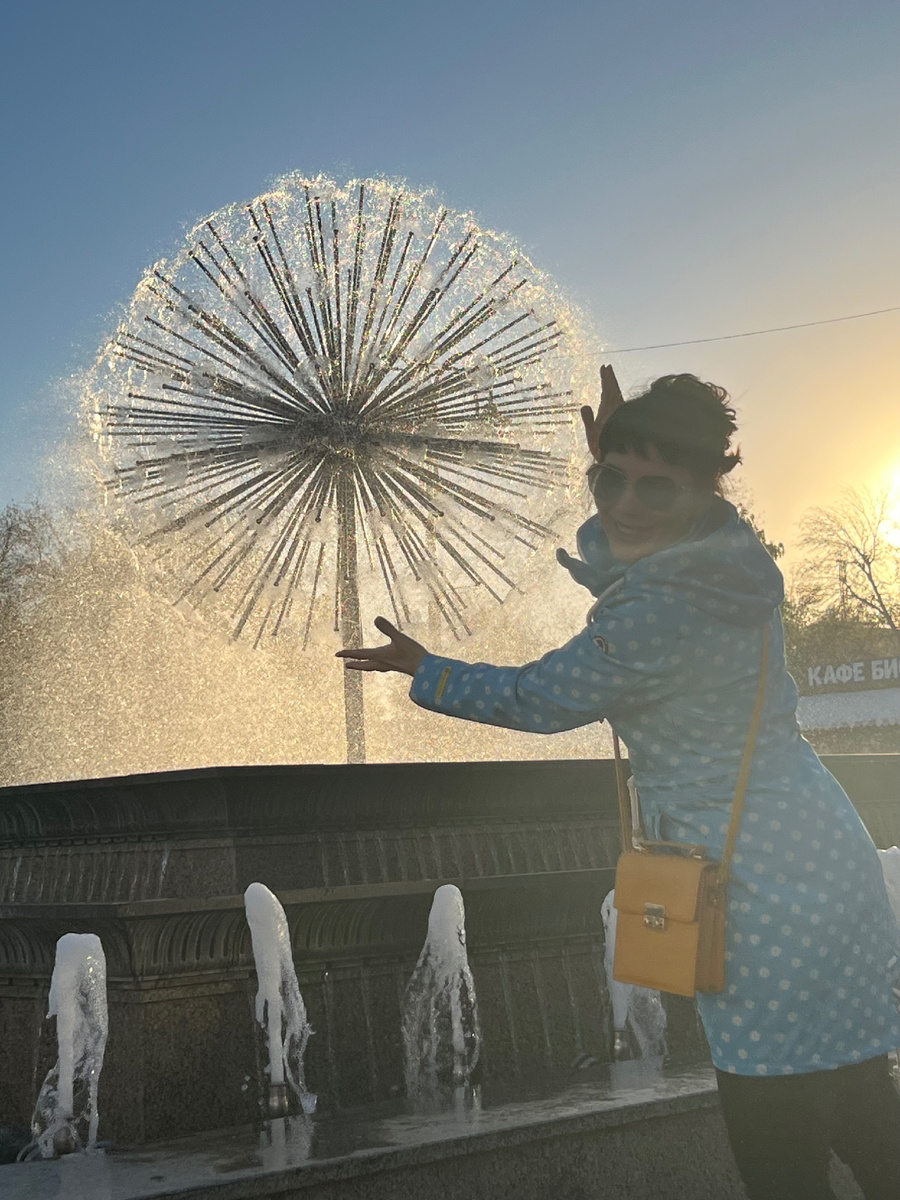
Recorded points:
(846, 710)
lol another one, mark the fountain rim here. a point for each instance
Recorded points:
(312, 770)
(458, 767)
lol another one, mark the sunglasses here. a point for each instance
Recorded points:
(656, 492)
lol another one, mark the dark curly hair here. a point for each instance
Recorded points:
(688, 422)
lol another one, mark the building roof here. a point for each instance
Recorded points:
(847, 710)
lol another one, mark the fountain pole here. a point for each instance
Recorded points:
(348, 618)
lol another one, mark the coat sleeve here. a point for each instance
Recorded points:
(623, 657)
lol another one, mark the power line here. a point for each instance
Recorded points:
(727, 337)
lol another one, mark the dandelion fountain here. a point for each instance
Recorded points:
(338, 398)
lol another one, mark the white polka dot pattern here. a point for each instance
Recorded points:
(810, 933)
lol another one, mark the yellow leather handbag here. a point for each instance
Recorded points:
(670, 896)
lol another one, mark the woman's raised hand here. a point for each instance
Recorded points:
(610, 399)
(401, 654)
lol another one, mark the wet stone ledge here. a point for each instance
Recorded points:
(628, 1131)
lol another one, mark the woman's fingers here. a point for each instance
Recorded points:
(591, 430)
(610, 395)
(609, 387)
(362, 652)
(377, 659)
(367, 664)
(383, 625)
(401, 654)
(610, 399)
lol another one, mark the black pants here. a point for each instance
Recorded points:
(782, 1130)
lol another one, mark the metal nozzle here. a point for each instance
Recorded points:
(623, 1049)
(277, 1102)
(64, 1141)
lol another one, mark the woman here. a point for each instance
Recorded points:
(670, 656)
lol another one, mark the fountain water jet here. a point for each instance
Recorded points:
(639, 1019)
(78, 1001)
(441, 1031)
(279, 1005)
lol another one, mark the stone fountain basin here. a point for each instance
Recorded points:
(156, 866)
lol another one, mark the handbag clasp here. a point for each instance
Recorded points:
(655, 916)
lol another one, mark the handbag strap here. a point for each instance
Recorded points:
(740, 789)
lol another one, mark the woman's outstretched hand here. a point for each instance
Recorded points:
(610, 399)
(401, 654)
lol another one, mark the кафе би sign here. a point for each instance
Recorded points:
(858, 690)
(875, 670)
(848, 677)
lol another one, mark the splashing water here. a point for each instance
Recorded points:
(279, 1005)
(441, 1032)
(285, 1142)
(157, 692)
(639, 1019)
(78, 1001)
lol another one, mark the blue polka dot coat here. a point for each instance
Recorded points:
(670, 655)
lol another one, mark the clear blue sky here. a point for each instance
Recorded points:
(682, 169)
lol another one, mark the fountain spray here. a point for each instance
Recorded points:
(639, 1019)
(279, 1005)
(441, 1032)
(78, 1001)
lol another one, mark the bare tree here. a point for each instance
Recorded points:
(852, 567)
